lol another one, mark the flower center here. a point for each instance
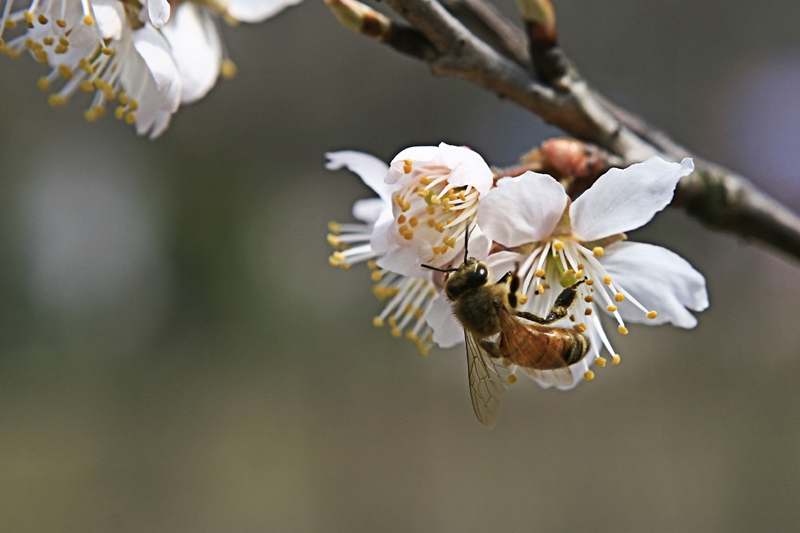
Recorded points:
(429, 209)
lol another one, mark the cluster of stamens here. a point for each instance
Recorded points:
(410, 301)
(428, 209)
(50, 35)
(351, 242)
(566, 262)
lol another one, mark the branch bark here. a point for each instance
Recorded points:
(718, 197)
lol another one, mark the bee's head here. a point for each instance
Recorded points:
(470, 275)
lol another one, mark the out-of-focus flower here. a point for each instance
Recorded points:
(556, 243)
(140, 53)
(409, 298)
(99, 47)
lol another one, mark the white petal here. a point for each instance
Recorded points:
(158, 12)
(468, 166)
(502, 262)
(447, 332)
(196, 49)
(404, 260)
(659, 279)
(523, 209)
(154, 81)
(625, 199)
(257, 10)
(369, 168)
(368, 210)
(110, 18)
(425, 154)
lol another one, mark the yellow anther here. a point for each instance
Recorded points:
(60, 49)
(43, 84)
(435, 200)
(568, 273)
(124, 99)
(134, 104)
(413, 222)
(558, 245)
(423, 350)
(581, 327)
(590, 282)
(623, 330)
(619, 297)
(407, 166)
(372, 265)
(588, 299)
(333, 227)
(424, 180)
(408, 235)
(345, 266)
(66, 72)
(47, 41)
(377, 322)
(607, 280)
(588, 375)
(440, 227)
(511, 378)
(61, 23)
(56, 100)
(652, 314)
(401, 219)
(228, 69)
(393, 321)
(588, 311)
(598, 251)
(601, 362)
(412, 336)
(579, 274)
(41, 56)
(28, 16)
(88, 20)
(431, 210)
(539, 273)
(90, 115)
(333, 261)
(333, 240)
(42, 19)
(119, 113)
(108, 51)
(63, 41)
(523, 299)
(10, 24)
(462, 196)
(130, 117)
(397, 332)
(615, 359)
(612, 308)
(539, 289)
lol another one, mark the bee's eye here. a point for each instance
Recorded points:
(481, 273)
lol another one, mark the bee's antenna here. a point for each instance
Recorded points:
(437, 269)
(466, 244)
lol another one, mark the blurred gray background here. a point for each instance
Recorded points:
(176, 354)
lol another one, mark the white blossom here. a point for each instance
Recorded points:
(554, 243)
(93, 46)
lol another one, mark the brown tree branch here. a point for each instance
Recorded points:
(720, 198)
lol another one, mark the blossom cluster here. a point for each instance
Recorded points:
(430, 196)
(146, 57)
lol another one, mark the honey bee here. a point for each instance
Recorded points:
(495, 331)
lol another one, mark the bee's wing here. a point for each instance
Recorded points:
(522, 342)
(485, 384)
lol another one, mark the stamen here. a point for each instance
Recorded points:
(598, 251)
(623, 330)
(588, 375)
(601, 362)
(652, 314)
(615, 360)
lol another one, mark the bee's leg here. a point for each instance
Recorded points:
(512, 280)
(560, 308)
